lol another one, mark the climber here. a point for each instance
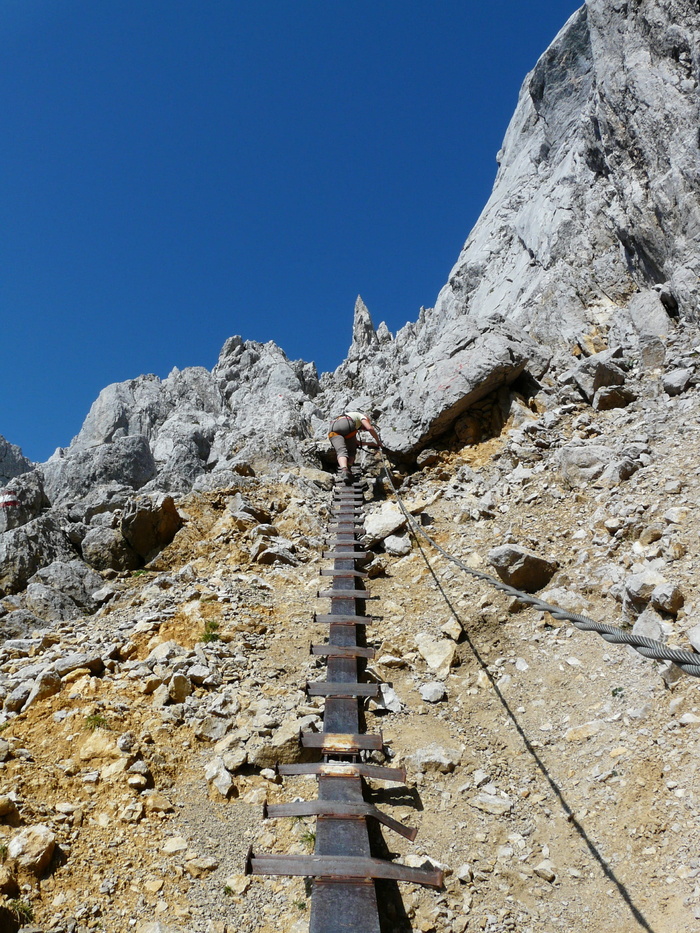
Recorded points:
(343, 437)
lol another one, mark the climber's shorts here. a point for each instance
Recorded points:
(342, 436)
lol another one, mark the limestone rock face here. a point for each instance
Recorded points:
(429, 375)
(149, 523)
(596, 196)
(364, 336)
(127, 460)
(22, 499)
(255, 402)
(12, 461)
(25, 550)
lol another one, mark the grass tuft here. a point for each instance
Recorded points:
(96, 721)
(211, 631)
(23, 911)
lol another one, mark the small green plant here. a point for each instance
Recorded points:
(228, 890)
(3, 851)
(309, 837)
(23, 911)
(211, 631)
(617, 691)
(96, 721)
(300, 905)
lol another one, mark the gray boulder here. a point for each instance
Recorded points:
(521, 568)
(245, 513)
(595, 372)
(17, 697)
(580, 465)
(667, 597)
(220, 478)
(103, 499)
(610, 397)
(397, 545)
(677, 381)
(649, 315)
(74, 578)
(649, 625)
(27, 549)
(63, 590)
(652, 352)
(149, 524)
(19, 622)
(78, 659)
(49, 604)
(47, 684)
(107, 549)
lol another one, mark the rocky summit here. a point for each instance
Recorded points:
(158, 575)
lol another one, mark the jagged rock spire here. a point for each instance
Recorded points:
(364, 335)
(12, 461)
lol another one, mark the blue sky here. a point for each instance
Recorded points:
(173, 172)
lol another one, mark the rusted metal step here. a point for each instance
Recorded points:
(342, 651)
(344, 594)
(324, 688)
(345, 769)
(330, 572)
(346, 555)
(344, 619)
(337, 809)
(342, 743)
(340, 867)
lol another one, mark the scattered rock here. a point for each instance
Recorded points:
(435, 758)
(521, 568)
(433, 692)
(667, 597)
(219, 777)
(492, 803)
(397, 545)
(438, 653)
(677, 381)
(545, 870)
(382, 522)
(31, 849)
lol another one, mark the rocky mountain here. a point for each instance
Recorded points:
(154, 572)
(589, 240)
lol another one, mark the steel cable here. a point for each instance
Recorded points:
(687, 661)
